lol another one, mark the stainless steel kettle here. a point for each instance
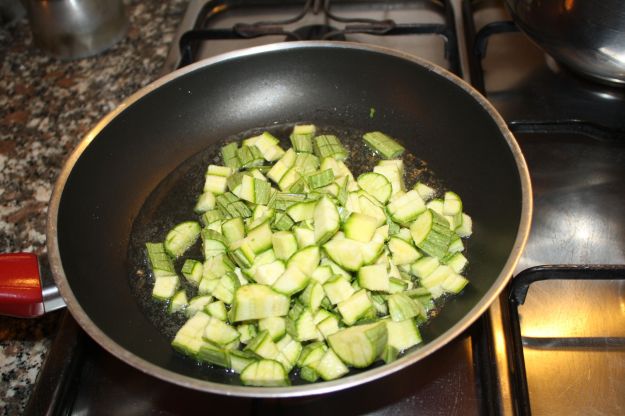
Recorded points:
(70, 29)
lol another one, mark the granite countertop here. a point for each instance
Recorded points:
(46, 106)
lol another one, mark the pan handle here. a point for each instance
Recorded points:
(21, 292)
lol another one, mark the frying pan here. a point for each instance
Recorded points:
(103, 188)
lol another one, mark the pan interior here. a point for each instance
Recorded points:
(175, 129)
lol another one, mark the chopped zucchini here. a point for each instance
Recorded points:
(383, 144)
(376, 185)
(256, 301)
(305, 266)
(360, 345)
(267, 373)
(360, 227)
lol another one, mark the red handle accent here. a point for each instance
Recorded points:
(20, 286)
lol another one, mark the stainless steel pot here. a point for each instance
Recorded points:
(71, 29)
(587, 36)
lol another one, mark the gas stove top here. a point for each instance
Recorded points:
(555, 341)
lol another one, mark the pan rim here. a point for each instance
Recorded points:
(318, 388)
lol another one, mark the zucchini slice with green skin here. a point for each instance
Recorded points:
(406, 208)
(329, 146)
(433, 282)
(229, 155)
(292, 281)
(457, 261)
(267, 145)
(376, 185)
(425, 192)
(301, 326)
(330, 366)
(402, 307)
(311, 353)
(321, 179)
(368, 207)
(217, 310)
(249, 156)
(305, 236)
(431, 233)
(306, 259)
(344, 252)
(360, 227)
(402, 252)
(284, 244)
(217, 170)
(301, 137)
(328, 326)
(424, 266)
(267, 274)
(456, 245)
(360, 345)
(338, 289)
(226, 287)
(383, 144)
(282, 222)
(219, 332)
(178, 302)
(160, 263)
(374, 277)
(355, 307)
(465, 229)
(256, 301)
(205, 202)
(189, 339)
(240, 359)
(394, 174)
(192, 270)
(213, 243)
(211, 216)
(276, 326)
(259, 238)
(215, 184)
(290, 350)
(197, 304)
(247, 332)
(265, 373)
(454, 283)
(322, 273)
(302, 211)
(403, 334)
(306, 163)
(165, 286)
(263, 346)
(326, 220)
(278, 170)
(313, 295)
(452, 208)
(233, 229)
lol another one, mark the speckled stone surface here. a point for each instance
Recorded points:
(46, 106)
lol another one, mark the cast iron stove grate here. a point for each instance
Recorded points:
(328, 24)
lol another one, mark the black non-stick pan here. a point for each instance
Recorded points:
(166, 129)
